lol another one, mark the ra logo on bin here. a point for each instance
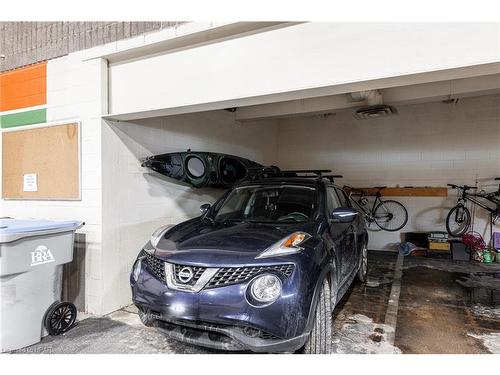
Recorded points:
(41, 255)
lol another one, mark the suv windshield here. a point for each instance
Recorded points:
(269, 204)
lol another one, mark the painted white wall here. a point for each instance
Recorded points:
(122, 203)
(74, 93)
(427, 144)
(136, 200)
(294, 58)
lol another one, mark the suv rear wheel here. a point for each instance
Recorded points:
(320, 338)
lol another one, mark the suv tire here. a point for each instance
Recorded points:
(363, 264)
(146, 318)
(320, 338)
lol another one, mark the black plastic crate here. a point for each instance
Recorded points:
(459, 251)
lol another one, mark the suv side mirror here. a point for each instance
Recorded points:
(205, 207)
(343, 215)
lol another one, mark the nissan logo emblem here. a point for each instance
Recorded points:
(185, 275)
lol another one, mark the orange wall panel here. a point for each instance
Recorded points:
(24, 87)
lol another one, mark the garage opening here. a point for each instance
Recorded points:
(423, 145)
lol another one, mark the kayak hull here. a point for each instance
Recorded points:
(202, 169)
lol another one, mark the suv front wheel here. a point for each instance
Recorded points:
(146, 317)
(363, 264)
(320, 338)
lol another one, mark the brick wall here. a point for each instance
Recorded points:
(24, 43)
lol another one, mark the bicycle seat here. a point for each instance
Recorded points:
(497, 178)
(487, 195)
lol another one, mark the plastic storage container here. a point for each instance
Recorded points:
(32, 253)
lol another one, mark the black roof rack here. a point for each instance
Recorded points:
(273, 171)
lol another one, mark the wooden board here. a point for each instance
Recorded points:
(52, 152)
(408, 191)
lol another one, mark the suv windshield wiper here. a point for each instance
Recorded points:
(227, 221)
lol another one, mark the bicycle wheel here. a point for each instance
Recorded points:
(458, 221)
(390, 215)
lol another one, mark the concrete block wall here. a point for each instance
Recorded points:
(428, 144)
(74, 93)
(136, 200)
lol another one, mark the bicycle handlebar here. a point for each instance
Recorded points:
(464, 187)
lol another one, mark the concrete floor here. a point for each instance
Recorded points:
(415, 305)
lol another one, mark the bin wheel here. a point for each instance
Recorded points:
(60, 318)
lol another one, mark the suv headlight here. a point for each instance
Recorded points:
(286, 246)
(137, 269)
(265, 288)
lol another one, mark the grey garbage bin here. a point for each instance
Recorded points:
(32, 253)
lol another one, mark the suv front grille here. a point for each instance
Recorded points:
(197, 272)
(155, 265)
(225, 276)
(235, 275)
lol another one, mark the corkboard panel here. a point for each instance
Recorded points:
(52, 152)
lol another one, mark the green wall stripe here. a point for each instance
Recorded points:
(36, 116)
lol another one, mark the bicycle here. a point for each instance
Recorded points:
(388, 215)
(459, 217)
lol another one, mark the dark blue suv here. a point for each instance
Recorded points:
(260, 270)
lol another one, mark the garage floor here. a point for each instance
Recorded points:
(408, 305)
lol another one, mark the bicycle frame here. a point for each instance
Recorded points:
(462, 215)
(368, 213)
(473, 198)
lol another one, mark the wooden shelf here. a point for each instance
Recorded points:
(408, 191)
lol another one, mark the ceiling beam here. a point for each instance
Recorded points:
(410, 94)
(261, 106)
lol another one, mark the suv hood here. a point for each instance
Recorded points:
(198, 241)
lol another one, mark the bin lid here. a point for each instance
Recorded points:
(13, 229)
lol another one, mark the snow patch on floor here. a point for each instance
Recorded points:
(376, 281)
(372, 282)
(486, 311)
(126, 317)
(490, 340)
(360, 335)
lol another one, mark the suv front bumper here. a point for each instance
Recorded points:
(222, 318)
(228, 338)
